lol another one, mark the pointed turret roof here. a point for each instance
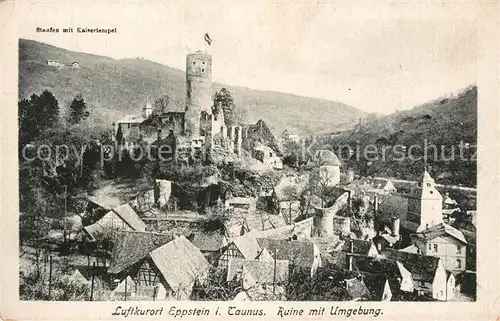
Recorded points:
(426, 188)
(426, 177)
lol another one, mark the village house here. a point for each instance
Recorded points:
(267, 156)
(211, 245)
(97, 206)
(428, 273)
(130, 248)
(397, 275)
(354, 247)
(122, 217)
(258, 275)
(54, 63)
(337, 285)
(241, 204)
(407, 214)
(240, 224)
(467, 227)
(370, 186)
(168, 272)
(301, 230)
(445, 242)
(303, 256)
(377, 284)
(385, 239)
(290, 136)
(332, 284)
(286, 196)
(242, 247)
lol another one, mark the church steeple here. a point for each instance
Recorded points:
(430, 202)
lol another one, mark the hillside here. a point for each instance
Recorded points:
(445, 121)
(113, 88)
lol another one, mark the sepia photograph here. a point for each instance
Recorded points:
(170, 154)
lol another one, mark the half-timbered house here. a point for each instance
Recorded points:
(242, 247)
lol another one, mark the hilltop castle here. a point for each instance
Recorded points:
(197, 126)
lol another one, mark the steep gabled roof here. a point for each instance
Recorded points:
(356, 289)
(105, 201)
(422, 267)
(391, 269)
(374, 282)
(298, 253)
(131, 247)
(208, 242)
(131, 119)
(357, 246)
(325, 157)
(441, 230)
(93, 230)
(129, 216)
(337, 285)
(247, 245)
(262, 271)
(253, 222)
(180, 263)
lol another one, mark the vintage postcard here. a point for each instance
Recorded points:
(262, 160)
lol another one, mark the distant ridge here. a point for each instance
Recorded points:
(114, 88)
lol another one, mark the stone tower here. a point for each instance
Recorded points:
(425, 204)
(329, 167)
(198, 90)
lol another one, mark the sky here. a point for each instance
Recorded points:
(376, 60)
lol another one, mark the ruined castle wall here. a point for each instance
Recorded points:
(328, 223)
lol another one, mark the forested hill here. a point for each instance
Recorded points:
(446, 121)
(113, 88)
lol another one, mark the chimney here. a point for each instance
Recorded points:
(350, 259)
(349, 199)
(350, 255)
(350, 176)
(395, 226)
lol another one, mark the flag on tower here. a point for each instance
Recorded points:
(207, 39)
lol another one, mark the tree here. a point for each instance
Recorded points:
(47, 109)
(78, 110)
(226, 101)
(293, 153)
(36, 115)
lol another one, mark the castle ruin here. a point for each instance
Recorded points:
(189, 130)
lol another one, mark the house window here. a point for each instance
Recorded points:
(459, 263)
(432, 192)
(435, 247)
(430, 247)
(459, 249)
(428, 184)
(440, 293)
